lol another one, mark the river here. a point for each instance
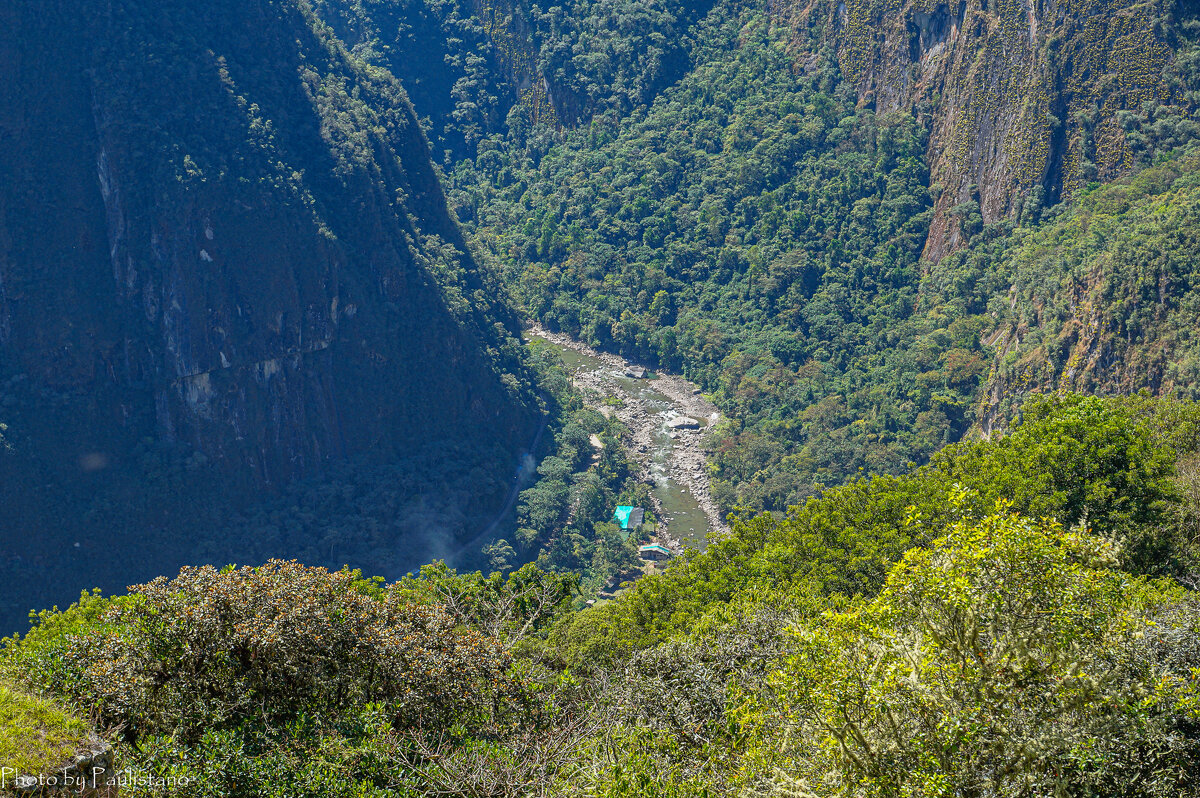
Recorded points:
(673, 459)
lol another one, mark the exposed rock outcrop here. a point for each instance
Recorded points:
(91, 774)
(1019, 96)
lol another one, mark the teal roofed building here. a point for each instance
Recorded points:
(654, 551)
(629, 517)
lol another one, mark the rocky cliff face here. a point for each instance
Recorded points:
(219, 232)
(470, 65)
(1023, 98)
(1102, 299)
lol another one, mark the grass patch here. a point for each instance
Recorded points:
(35, 735)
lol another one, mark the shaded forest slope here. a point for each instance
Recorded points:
(225, 262)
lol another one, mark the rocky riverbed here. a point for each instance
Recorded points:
(667, 417)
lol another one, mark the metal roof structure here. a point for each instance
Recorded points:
(629, 517)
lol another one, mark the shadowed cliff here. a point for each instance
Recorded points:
(225, 263)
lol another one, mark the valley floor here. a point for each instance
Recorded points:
(674, 459)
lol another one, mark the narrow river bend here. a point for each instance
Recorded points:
(671, 458)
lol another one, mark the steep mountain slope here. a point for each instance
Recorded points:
(757, 230)
(449, 59)
(1017, 616)
(776, 224)
(899, 636)
(1020, 98)
(1101, 298)
(477, 67)
(224, 253)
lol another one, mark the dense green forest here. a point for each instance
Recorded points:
(482, 67)
(760, 230)
(1100, 297)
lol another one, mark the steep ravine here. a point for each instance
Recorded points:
(1023, 101)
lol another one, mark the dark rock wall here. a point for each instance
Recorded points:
(220, 232)
(272, 304)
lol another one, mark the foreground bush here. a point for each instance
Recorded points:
(1007, 658)
(286, 680)
(214, 648)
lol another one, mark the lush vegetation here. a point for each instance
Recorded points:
(1015, 616)
(35, 735)
(1100, 296)
(474, 69)
(1111, 464)
(759, 228)
(1007, 657)
(759, 231)
(983, 625)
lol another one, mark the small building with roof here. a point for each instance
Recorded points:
(654, 551)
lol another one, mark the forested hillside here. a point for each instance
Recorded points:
(478, 67)
(935, 634)
(1022, 100)
(760, 233)
(1102, 297)
(762, 229)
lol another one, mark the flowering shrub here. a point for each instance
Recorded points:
(211, 648)
(1007, 658)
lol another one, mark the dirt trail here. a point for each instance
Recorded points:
(686, 462)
